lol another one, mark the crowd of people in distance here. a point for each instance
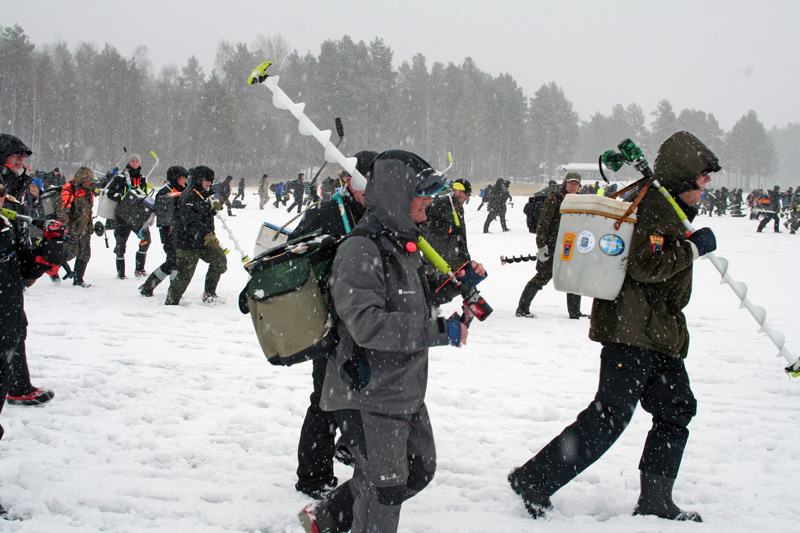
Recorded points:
(370, 384)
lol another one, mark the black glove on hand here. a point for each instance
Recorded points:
(705, 240)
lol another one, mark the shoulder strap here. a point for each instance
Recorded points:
(647, 183)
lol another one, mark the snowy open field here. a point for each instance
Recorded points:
(170, 419)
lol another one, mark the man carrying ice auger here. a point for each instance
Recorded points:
(645, 340)
(376, 383)
(546, 238)
(195, 239)
(176, 184)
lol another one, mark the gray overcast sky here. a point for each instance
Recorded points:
(724, 57)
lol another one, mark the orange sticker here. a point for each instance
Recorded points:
(566, 250)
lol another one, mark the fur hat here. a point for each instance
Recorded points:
(83, 173)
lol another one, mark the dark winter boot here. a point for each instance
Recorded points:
(68, 273)
(536, 502)
(210, 292)
(331, 515)
(574, 306)
(139, 271)
(80, 270)
(152, 282)
(656, 499)
(121, 268)
(528, 293)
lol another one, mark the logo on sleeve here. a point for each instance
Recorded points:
(657, 242)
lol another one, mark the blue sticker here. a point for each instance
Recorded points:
(612, 244)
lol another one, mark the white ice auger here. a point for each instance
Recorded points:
(305, 125)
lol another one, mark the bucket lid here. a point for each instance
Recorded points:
(596, 205)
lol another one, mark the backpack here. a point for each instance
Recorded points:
(532, 211)
(165, 208)
(287, 297)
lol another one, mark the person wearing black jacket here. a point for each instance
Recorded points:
(446, 229)
(129, 179)
(771, 213)
(21, 263)
(317, 447)
(240, 191)
(222, 192)
(176, 184)
(297, 187)
(497, 204)
(195, 239)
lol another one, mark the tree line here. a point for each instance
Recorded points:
(81, 106)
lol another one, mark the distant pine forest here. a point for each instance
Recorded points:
(81, 106)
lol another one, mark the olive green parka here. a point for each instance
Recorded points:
(648, 312)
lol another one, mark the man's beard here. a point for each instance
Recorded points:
(16, 171)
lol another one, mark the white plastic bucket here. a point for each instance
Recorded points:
(50, 201)
(591, 256)
(269, 236)
(106, 207)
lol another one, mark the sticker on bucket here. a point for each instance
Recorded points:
(586, 242)
(566, 251)
(612, 244)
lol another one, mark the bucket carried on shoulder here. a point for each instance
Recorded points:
(134, 210)
(106, 207)
(51, 199)
(594, 240)
(288, 300)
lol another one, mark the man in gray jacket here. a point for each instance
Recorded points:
(376, 383)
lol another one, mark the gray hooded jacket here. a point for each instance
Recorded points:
(382, 296)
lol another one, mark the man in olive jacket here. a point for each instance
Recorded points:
(645, 339)
(195, 239)
(546, 238)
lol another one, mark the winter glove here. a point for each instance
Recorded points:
(454, 332)
(704, 241)
(211, 241)
(543, 254)
(217, 205)
(471, 277)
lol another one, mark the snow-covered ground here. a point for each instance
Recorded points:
(170, 418)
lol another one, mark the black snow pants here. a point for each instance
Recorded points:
(628, 375)
(317, 439)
